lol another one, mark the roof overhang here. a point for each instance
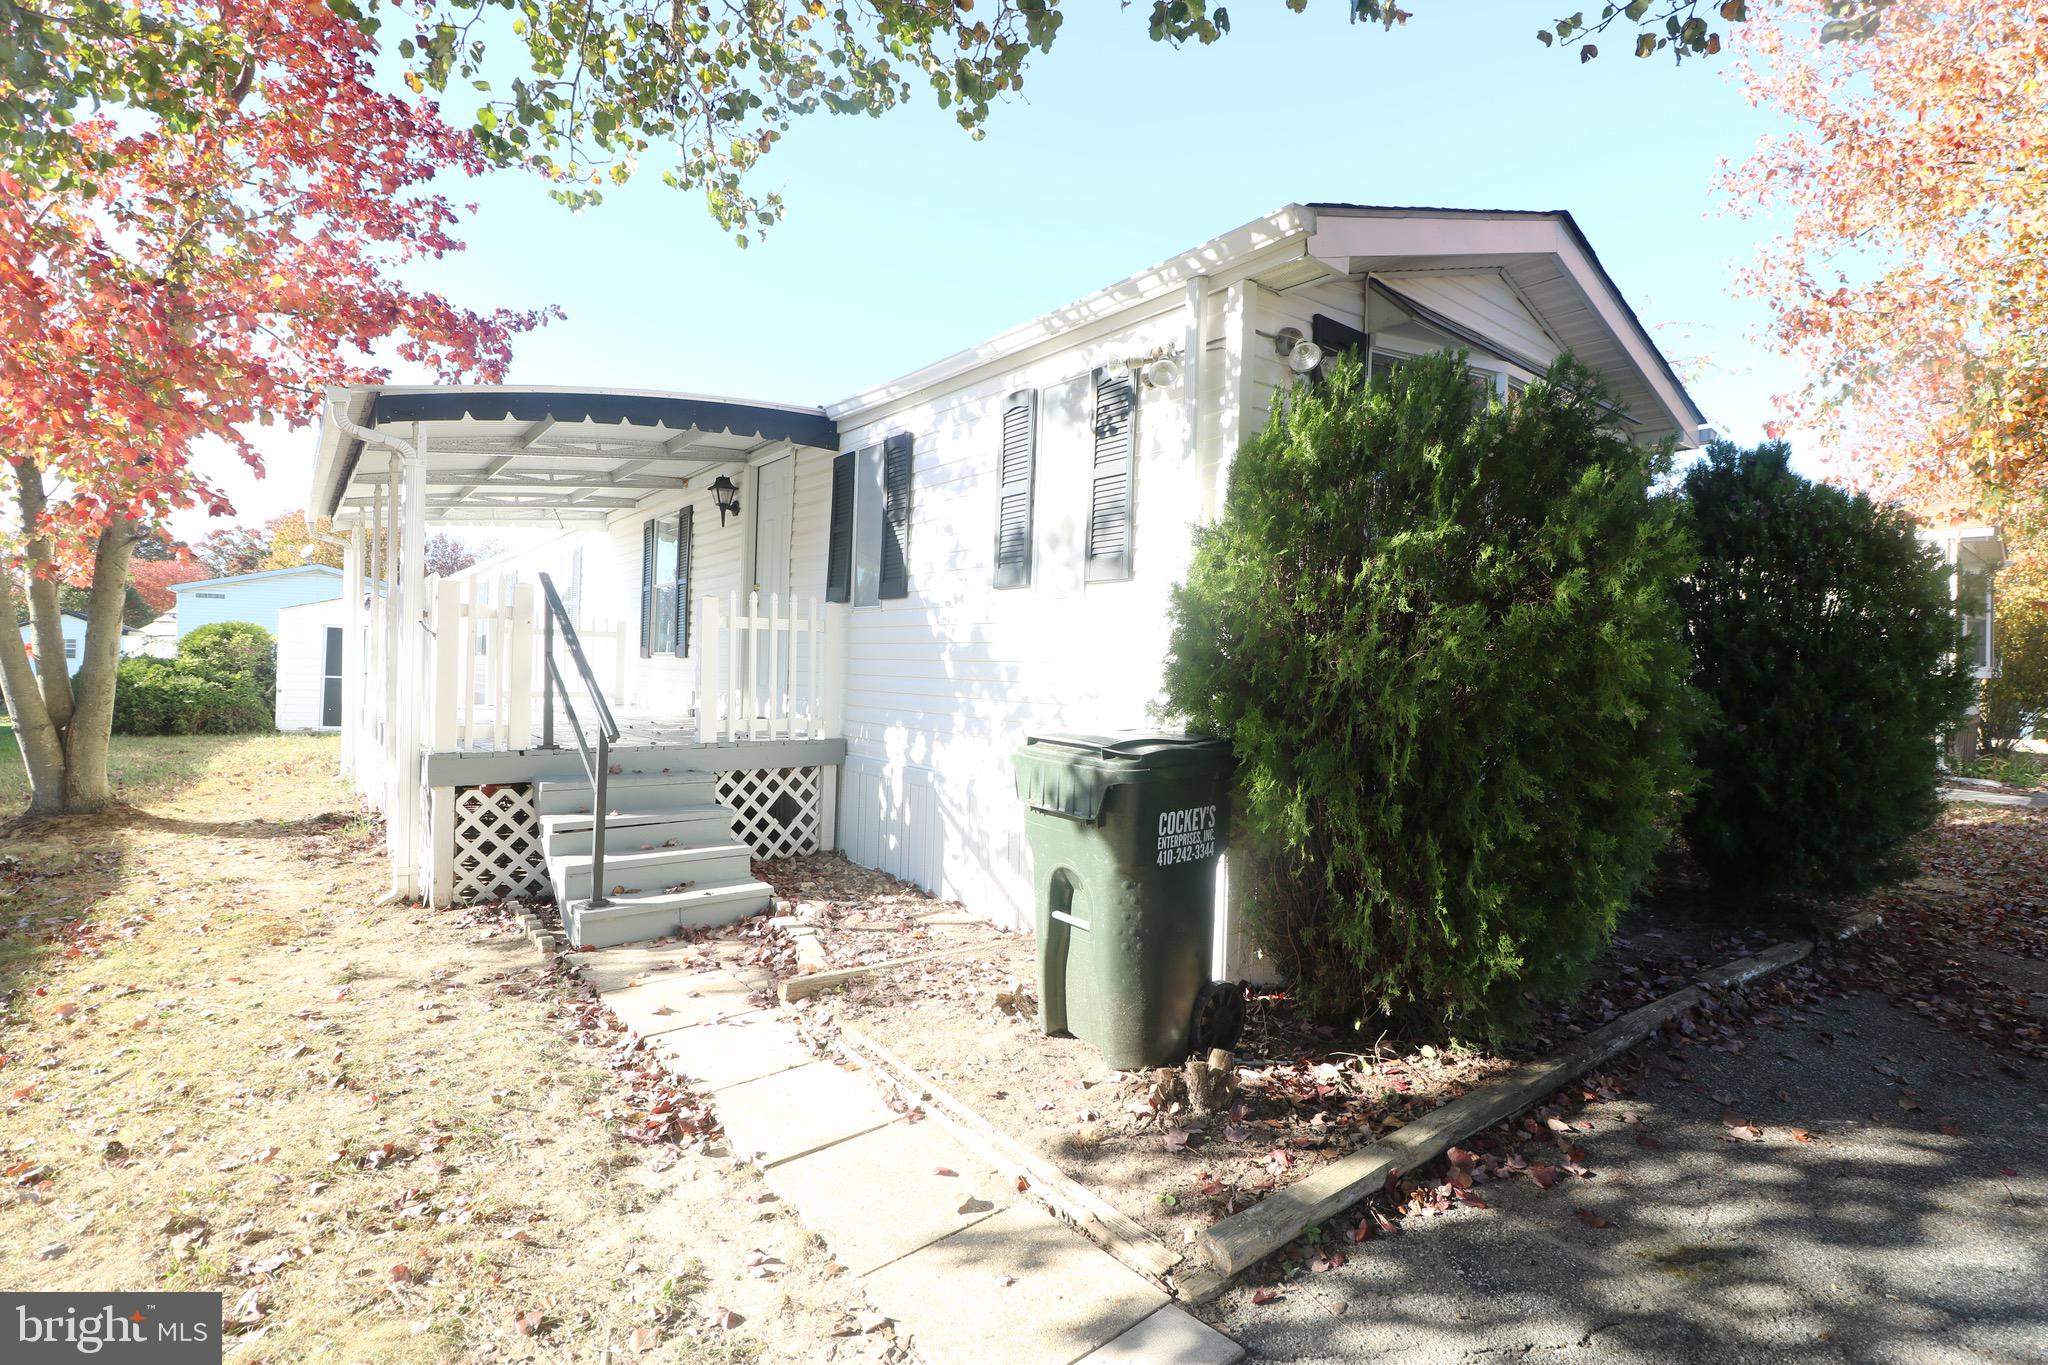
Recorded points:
(1549, 262)
(499, 455)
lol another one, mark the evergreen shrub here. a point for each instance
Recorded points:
(1440, 633)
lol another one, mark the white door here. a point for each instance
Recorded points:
(774, 510)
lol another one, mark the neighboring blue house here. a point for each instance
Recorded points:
(74, 641)
(256, 597)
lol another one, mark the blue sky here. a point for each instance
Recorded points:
(905, 240)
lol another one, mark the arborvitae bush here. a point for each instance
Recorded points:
(1823, 634)
(1440, 633)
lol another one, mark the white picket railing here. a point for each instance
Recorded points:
(483, 652)
(762, 669)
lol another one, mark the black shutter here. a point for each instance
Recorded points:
(1336, 338)
(895, 517)
(1109, 501)
(647, 541)
(686, 534)
(839, 545)
(1013, 494)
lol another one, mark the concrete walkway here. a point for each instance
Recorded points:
(969, 1269)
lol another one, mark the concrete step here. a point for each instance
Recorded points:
(720, 864)
(630, 790)
(627, 831)
(629, 919)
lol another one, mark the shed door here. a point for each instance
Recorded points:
(330, 690)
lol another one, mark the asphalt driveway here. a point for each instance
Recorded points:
(1907, 1225)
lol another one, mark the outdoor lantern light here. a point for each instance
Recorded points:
(1302, 354)
(1162, 372)
(727, 495)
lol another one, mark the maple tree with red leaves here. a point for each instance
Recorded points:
(1909, 282)
(190, 277)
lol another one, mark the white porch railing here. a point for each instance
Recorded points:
(483, 658)
(763, 669)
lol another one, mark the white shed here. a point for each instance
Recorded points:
(74, 641)
(309, 665)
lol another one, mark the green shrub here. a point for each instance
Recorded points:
(223, 681)
(1440, 635)
(1822, 633)
(231, 652)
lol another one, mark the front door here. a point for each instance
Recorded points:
(330, 689)
(774, 509)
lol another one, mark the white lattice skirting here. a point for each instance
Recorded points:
(778, 809)
(498, 851)
(497, 843)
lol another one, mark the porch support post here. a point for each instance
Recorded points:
(832, 687)
(388, 652)
(441, 829)
(351, 650)
(412, 662)
(516, 670)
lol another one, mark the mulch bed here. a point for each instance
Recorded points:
(1310, 1093)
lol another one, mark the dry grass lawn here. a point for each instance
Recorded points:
(372, 1129)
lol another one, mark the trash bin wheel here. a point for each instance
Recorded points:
(1219, 1017)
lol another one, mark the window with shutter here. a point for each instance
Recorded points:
(839, 543)
(1109, 502)
(647, 590)
(1015, 469)
(895, 567)
(686, 536)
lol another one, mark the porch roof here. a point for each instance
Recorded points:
(500, 455)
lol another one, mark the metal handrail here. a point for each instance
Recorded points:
(599, 763)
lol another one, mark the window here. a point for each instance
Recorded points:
(867, 555)
(71, 648)
(664, 584)
(213, 596)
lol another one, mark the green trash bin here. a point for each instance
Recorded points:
(1125, 831)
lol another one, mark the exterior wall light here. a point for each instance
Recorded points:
(726, 494)
(1301, 354)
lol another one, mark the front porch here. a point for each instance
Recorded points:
(532, 724)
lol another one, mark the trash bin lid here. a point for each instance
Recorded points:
(1071, 773)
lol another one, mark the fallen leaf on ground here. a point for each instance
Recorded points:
(1590, 1218)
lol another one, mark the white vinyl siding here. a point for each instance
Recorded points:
(302, 661)
(1484, 302)
(944, 684)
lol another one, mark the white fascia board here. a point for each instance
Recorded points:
(1340, 237)
(1239, 254)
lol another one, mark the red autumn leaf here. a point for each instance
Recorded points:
(1264, 1296)
(1544, 1176)
(1645, 1140)
(1590, 1218)
(1949, 1127)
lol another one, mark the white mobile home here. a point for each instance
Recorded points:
(309, 664)
(831, 626)
(72, 624)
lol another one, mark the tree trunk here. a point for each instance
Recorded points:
(92, 721)
(66, 757)
(45, 615)
(42, 746)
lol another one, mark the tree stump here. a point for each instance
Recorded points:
(1211, 1082)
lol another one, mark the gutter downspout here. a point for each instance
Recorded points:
(404, 869)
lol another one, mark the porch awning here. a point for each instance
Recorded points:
(498, 455)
